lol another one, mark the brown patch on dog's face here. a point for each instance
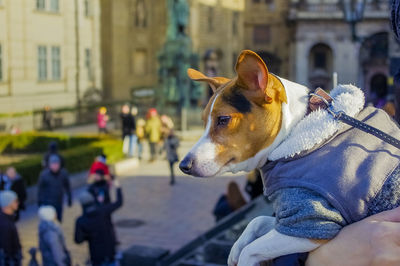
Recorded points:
(242, 123)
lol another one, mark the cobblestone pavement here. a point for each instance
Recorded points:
(171, 215)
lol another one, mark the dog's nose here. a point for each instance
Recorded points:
(186, 164)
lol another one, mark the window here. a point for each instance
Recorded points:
(261, 34)
(40, 4)
(140, 62)
(55, 63)
(320, 60)
(1, 63)
(140, 14)
(54, 5)
(263, 1)
(235, 22)
(42, 62)
(87, 8)
(88, 63)
(210, 19)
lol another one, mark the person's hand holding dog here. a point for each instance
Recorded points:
(373, 241)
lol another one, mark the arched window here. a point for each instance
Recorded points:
(140, 14)
(320, 66)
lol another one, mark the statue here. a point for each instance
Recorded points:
(177, 91)
(178, 15)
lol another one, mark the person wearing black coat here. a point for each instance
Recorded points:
(11, 180)
(53, 183)
(100, 188)
(53, 150)
(128, 130)
(171, 144)
(128, 122)
(10, 246)
(95, 227)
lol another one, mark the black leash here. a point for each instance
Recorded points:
(341, 116)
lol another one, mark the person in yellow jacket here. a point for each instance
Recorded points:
(141, 135)
(153, 131)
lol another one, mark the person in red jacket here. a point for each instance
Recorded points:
(99, 164)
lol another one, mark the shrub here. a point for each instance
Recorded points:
(112, 148)
(38, 142)
(76, 159)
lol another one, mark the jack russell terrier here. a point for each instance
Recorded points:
(320, 174)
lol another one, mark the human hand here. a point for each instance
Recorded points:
(373, 241)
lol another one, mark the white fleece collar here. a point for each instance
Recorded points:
(319, 125)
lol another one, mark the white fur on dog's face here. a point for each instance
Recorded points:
(204, 152)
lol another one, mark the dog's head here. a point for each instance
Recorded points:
(242, 118)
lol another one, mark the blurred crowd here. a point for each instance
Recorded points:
(157, 130)
(94, 226)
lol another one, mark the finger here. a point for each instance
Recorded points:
(388, 216)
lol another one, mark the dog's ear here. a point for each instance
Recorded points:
(253, 73)
(214, 82)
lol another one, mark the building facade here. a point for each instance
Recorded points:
(49, 54)
(133, 32)
(267, 32)
(323, 44)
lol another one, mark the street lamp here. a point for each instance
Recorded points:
(353, 11)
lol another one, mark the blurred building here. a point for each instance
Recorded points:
(322, 44)
(267, 32)
(49, 51)
(133, 31)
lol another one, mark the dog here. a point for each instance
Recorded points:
(320, 174)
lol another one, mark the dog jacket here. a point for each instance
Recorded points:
(341, 180)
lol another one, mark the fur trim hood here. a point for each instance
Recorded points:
(319, 125)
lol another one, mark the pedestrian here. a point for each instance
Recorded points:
(229, 202)
(128, 127)
(166, 126)
(153, 132)
(47, 117)
(10, 247)
(171, 144)
(100, 163)
(52, 150)
(53, 183)
(15, 130)
(395, 18)
(51, 239)
(100, 188)
(11, 180)
(102, 119)
(33, 261)
(95, 227)
(134, 139)
(141, 136)
(254, 186)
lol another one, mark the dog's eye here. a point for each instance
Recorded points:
(223, 120)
